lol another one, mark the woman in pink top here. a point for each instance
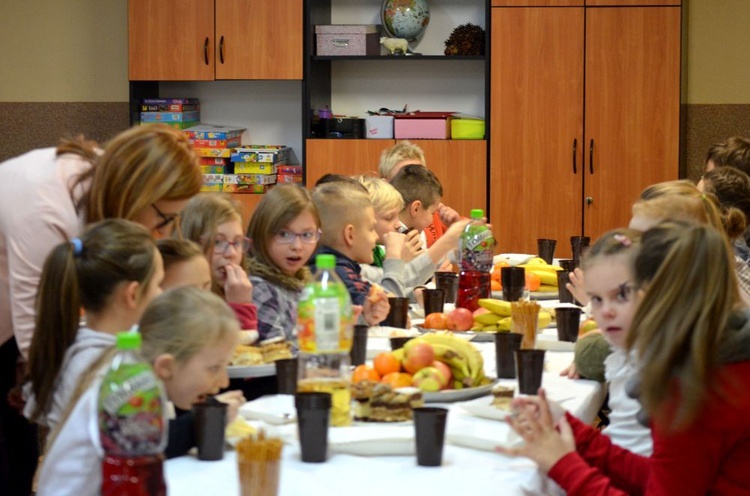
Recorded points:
(146, 174)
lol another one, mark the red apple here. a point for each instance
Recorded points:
(445, 371)
(419, 356)
(586, 326)
(462, 318)
(428, 379)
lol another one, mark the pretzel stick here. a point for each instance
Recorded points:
(524, 320)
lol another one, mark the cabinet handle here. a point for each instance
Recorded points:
(575, 150)
(589, 200)
(591, 156)
(221, 50)
(205, 51)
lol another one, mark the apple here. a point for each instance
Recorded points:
(428, 379)
(462, 318)
(586, 326)
(445, 370)
(417, 357)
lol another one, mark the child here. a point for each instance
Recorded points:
(112, 272)
(285, 229)
(732, 188)
(691, 335)
(188, 337)
(422, 192)
(184, 264)
(348, 232)
(214, 221)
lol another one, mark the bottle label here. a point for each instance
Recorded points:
(478, 240)
(327, 323)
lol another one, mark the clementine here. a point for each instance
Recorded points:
(533, 281)
(496, 286)
(385, 363)
(436, 321)
(397, 379)
(365, 373)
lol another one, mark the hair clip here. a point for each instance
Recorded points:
(624, 240)
(77, 246)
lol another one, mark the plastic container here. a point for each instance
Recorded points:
(476, 248)
(132, 427)
(467, 129)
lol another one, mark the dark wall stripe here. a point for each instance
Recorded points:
(708, 124)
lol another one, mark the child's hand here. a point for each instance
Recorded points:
(570, 372)
(376, 307)
(394, 243)
(447, 215)
(575, 286)
(237, 287)
(234, 400)
(412, 246)
(455, 230)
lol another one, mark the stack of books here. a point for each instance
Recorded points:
(214, 145)
(257, 167)
(180, 113)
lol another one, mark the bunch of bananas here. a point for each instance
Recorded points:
(547, 273)
(463, 358)
(497, 318)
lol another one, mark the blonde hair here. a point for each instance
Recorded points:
(139, 167)
(682, 316)
(403, 150)
(668, 188)
(383, 195)
(339, 204)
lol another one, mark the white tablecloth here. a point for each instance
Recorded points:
(464, 470)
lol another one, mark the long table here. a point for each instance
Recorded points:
(465, 469)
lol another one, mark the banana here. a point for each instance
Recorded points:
(477, 327)
(504, 324)
(545, 288)
(453, 359)
(399, 354)
(545, 319)
(546, 277)
(499, 307)
(487, 318)
(474, 359)
(490, 328)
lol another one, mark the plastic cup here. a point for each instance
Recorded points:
(530, 366)
(398, 342)
(313, 411)
(210, 422)
(506, 345)
(358, 353)
(568, 323)
(429, 429)
(567, 264)
(398, 315)
(514, 282)
(564, 295)
(546, 249)
(578, 245)
(448, 282)
(286, 375)
(433, 301)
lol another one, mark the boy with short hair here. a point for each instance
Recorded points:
(422, 193)
(348, 223)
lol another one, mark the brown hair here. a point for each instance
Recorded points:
(278, 208)
(415, 182)
(611, 243)
(339, 204)
(731, 186)
(175, 250)
(138, 167)
(403, 150)
(732, 152)
(79, 274)
(682, 316)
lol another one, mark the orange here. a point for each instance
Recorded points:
(496, 286)
(397, 379)
(385, 363)
(365, 372)
(436, 321)
(533, 281)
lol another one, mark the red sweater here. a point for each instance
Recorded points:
(247, 315)
(712, 455)
(434, 230)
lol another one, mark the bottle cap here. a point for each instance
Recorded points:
(476, 213)
(325, 261)
(128, 340)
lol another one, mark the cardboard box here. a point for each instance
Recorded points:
(423, 125)
(379, 126)
(348, 39)
(254, 168)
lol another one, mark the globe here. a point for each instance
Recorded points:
(405, 18)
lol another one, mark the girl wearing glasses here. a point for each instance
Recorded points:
(214, 221)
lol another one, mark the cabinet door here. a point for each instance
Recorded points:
(538, 3)
(632, 108)
(170, 40)
(259, 39)
(247, 204)
(343, 156)
(537, 126)
(461, 167)
(630, 3)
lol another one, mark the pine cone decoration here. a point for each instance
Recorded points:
(466, 39)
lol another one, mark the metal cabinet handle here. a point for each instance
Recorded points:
(575, 150)
(221, 50)
(589, 200)
(205, 50)
(591, 156)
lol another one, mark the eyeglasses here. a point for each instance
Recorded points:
(165, 219)
(241, 245)
(288, 237)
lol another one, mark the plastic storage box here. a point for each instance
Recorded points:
(348, 39)
(467, 128)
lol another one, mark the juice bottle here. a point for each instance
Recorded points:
(131, 424)
(324, 335)
(476, 248)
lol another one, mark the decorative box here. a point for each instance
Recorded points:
(423, 125)
(379, 126)
(467, 128)
(348, 39)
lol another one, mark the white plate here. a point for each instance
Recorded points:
(513, 259)
(390, 332)
(452, 395)
(373, 439)
(482, 407)
(485, 435)
(275, 409)
(245, 372)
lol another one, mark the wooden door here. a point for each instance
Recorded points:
(343, 156)
(170, 40)
(461, 167)
(259, 39)
(632, 108)
(537, 123)
(247, 204)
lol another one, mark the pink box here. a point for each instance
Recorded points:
(347, 39)
(423, 125)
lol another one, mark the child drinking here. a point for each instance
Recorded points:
(112, 271)
(188, 336)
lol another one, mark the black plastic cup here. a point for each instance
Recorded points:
(530, 366)
(506, 345)
(568, 323)
(398, 342)
(433, 301)
(313, 411)
(564, 295)
(358, 353)
(448, 282)
(546, 249)
(567, 264)
(579, 244)
(210, 422)
(398, 315)
(513, 280)
(286, 375)
(429, 430)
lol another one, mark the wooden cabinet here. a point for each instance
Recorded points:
(461, 166)
(201, 40)
(585, 112)
(247, 204)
